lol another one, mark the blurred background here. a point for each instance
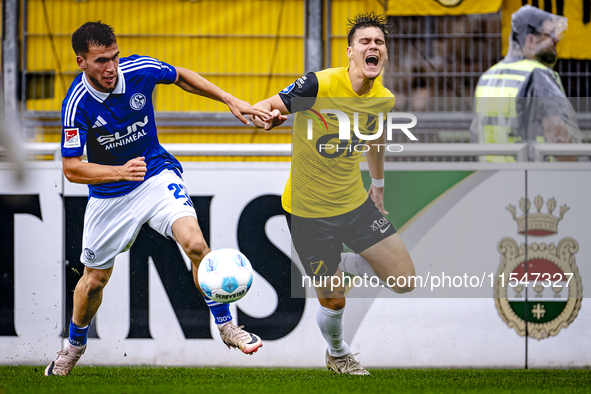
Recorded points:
(254, 48)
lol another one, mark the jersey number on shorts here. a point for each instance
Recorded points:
(180, 192)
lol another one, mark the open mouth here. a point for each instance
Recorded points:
(372, 60)
(109, 80)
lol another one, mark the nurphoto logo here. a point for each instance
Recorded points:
(326, 148)
(345, 125)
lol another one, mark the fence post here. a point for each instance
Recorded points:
(10, 57)
(313, 53)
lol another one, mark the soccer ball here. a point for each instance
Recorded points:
(225, 275)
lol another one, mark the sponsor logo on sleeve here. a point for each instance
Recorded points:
(300, 82)
(72, 138)
(288, 88)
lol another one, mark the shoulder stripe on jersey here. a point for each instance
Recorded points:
(71, 100)
(140, 67)
(129, 65)
(136, 65)
(75, 106)
(80, 87)
(139, 59)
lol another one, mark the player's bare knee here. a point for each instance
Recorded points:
(402, 290)
(334, 299)
(333, 303)
(337, 303)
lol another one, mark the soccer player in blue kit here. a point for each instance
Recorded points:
(131, 178)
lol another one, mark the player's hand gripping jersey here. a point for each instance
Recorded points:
(325, 178)
(119, 126)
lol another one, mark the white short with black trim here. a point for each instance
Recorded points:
(112, 224)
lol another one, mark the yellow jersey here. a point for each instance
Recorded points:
(325, 178)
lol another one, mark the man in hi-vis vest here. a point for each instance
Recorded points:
(521, 98)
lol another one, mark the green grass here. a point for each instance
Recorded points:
(132, 380)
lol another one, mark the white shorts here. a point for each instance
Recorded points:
(112, 224)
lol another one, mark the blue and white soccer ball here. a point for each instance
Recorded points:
(225, 275)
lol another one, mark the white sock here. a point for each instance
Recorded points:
(331, 326)
(354, 264)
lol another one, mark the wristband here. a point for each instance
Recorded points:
(377, 182)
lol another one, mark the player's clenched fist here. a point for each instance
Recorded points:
(135, 169)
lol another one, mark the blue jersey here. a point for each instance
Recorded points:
(119, 126)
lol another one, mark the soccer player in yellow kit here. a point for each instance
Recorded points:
(325, 202)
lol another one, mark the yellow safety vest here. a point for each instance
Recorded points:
(496, 104)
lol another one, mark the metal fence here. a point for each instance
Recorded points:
(441, 57)
(435, 63)
(437, 57)
(249, 57)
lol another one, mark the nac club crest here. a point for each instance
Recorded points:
(547, 293)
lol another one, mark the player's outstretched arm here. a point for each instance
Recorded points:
(194, 83)
(277, 109)
(375, 162)
(78, 171)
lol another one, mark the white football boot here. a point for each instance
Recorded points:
(346, 364)
(65, 361)
(235, 336)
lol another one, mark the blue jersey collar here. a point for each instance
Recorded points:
(101, 96)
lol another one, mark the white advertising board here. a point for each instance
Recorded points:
(454, 226)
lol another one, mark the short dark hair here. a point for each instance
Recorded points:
(92, 34)
(368, 20)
